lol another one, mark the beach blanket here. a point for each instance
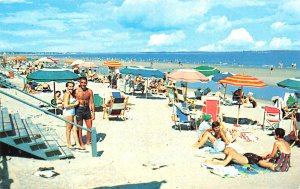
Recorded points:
(242, 121)
(235, 170)
(209, 150)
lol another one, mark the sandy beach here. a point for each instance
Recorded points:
(145, 151)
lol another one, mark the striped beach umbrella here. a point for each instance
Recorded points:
(291, 83)
(242, 81)
(112, 64)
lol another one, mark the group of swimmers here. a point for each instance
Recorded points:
(213, 135)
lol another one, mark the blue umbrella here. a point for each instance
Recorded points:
(217, 77)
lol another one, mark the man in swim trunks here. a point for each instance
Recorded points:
(85, 110)
(234, 156)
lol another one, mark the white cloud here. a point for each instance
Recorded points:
(220, 23)
(239, 3)
(238, 37)
(280, 43)
(12, 1)
(211, 48)
(278, 25)
(260, 44)
(166, 39)
(291, 7)
(158, 15)
(27, 33)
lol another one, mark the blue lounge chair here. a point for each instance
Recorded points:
(182, 116)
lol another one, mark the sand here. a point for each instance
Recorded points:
(145, 151)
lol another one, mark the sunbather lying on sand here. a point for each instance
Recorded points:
(234, 156)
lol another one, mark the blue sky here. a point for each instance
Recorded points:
(149, 25)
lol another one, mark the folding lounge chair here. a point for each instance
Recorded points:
(271, 117)
(182, 117)
(180, 96)
(98, 101)
(116, 108)
(211, 106)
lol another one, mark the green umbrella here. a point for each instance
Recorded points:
(207, 70)
(291, 83)
(54, 74)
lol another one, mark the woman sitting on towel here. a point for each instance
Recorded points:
(279, 159)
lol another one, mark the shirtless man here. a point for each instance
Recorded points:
(85, 110)
(233, 155)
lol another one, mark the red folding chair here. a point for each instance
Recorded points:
(271, 117)
(211, 106)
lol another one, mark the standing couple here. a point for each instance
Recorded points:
(78, 103)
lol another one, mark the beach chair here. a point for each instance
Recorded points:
(98, 101)
(211, 105)
(116, 108)
(271, 118)
(180, 96)
(116, 94)
(182, 116)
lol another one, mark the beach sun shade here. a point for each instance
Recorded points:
(188, 75)
(217, 77)
(52, 74)
(112, 64)
(291, 83)
(207, 70)
(243, 80)
(88, 65)
(46, 60)
(142, 71)
(77, 62)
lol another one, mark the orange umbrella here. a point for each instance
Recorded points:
(242, 80)
(69, 61)
(112, 64)
(21, 58)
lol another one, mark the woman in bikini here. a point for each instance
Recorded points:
(69, 112)
(279, 159)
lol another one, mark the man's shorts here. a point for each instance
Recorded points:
(83, 113)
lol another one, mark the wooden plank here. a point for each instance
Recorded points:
(7, 126)
(19, 126)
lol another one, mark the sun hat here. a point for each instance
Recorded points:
(219, 145)
(207, 117)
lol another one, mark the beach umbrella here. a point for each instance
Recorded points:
(69, 61)
(207, 70)
(187, 75)
(112, 64)
(217, 77)
(291, 83)
(242, 81)
(54, 74)
(21, 58)
(77, 62)
(87, 65)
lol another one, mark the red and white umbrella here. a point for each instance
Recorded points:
(77, 62)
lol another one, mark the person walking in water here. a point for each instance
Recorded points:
(85, 110)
